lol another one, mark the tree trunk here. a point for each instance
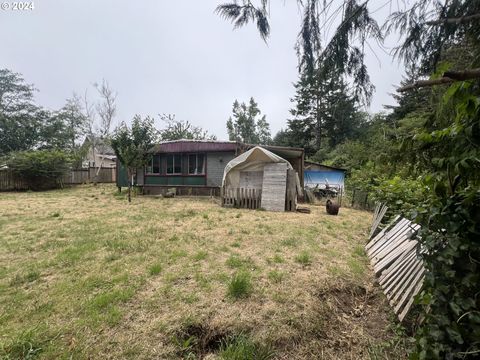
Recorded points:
(318, 127)
(130, 183)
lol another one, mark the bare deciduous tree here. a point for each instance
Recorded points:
(106, 108)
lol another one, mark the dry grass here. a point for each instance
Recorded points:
(85, 274)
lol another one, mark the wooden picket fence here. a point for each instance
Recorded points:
(394, 253)
(241, 198)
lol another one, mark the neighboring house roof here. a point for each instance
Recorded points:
(308, 162)
(284, 151)
(101, 146)
(108, 157)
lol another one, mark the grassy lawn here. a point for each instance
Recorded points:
(84, 274)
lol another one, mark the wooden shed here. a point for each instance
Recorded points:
(259, 178)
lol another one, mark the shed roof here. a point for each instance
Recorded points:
(325, 166)
(283, 151)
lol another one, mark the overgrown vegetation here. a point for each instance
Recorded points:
(42, 169)
(422, 159)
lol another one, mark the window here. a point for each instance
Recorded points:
(153, 166)
(196, 164)
(174, 164)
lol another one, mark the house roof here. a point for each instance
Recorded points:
(189, 145)
(323, 165)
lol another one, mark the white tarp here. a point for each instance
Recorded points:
(252, 160)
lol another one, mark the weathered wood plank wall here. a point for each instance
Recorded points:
(274, 186)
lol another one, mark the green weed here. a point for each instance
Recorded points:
(241, 347)
(304, 258)
(236, 262)
(275, 276)
(201, 255)
(289, 242)
(240, 286)
(155, 269)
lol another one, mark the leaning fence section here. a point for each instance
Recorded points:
(395, 255)
(241, 198)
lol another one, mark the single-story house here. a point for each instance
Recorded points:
(320, 175)
(196, 167)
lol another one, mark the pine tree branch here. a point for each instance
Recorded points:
(447, 78)
(455, 21)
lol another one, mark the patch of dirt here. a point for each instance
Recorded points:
(354, 317)
(199, 339)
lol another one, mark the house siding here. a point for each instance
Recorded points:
(216, 162)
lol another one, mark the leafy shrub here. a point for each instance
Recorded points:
(240, 286)
(42, 169)
(401, 196)
(450, 296)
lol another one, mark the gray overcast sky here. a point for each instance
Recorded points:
(164, 57)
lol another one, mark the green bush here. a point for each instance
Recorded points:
(402, 196)
(42, 169)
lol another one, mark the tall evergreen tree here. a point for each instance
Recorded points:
(325, 113)
(19, 122)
